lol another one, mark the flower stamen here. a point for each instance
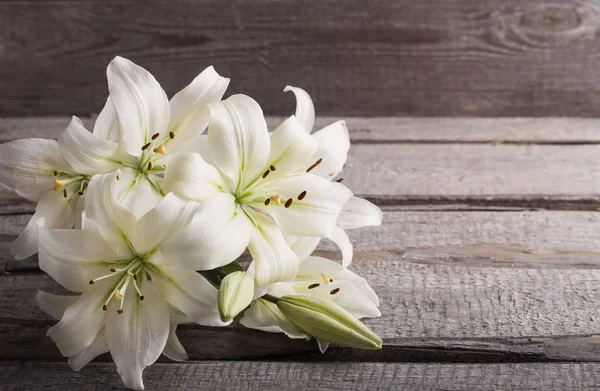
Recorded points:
(339, 180)
(267, 201)
(155, 136)
(333, 292)
(302, 195)
(272, 167)
(288, 203)
(171, 135)
(313, 286)
(146, 146)
(266, 173)
(314, 165)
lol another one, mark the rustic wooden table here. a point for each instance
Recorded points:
(487, 266)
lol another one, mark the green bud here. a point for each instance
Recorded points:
(328, 322)
(235, 294)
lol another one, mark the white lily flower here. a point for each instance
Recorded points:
(260, 188)
(320, 278)
(56, 305)
(334, 143)
(137, 128)
(131, 272)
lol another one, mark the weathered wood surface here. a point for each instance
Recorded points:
(467, 57)
(489, 256)
(275, 376)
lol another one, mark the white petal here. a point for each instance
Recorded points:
(314, 266)
(107, 126)
(190, 293)
(54, 305)
(27, 166)
(342, 240)
(101, 206)
(139, 193)
(140, 103)
(173, 349)
(157, 226)
(137, 337)
(322, 346)
(334, 143)
(274, 260)
(80, 324)
(89, 154)
(292, 149)
(56, 212)
(189, 107)
(79, 211)
(305, 109)
(73, 257)
(303, 246)
(315, 214)
(265, 316)
(217, 235)
(81, 359)
(189, 176)
(238, 139)
(358, 212)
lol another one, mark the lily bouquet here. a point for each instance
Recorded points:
(145, 216)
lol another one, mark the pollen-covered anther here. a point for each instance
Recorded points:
(302, 195)
(58, 184)
(149, 166)
(80, 193)
(339, 180)
(142, 298)
(309, 169)
(333, 292)
(91, 282)
(65, 194)
(266, 173)
(55, 173)
(288, 203)
(120, 311)
(160, 149)
(155, 136)
(313, 286)
(267, 201)
(135, 276)
(146, 146)
(272, 168)
(104, 307)
(171, 135)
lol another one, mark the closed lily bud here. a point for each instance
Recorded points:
(328, 322)
(235, 294)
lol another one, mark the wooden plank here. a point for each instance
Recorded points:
(468, 57)
(209, 375)
(568, 130)
(533, 231)
(438, 305)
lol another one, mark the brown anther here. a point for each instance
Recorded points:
(331, 280)
(142, 298)
(119, 311)
(104, 307)
(160, 149)
(313, 286)
(135, 276)
(272, 167)
(65, 193)
(339, 180)
(267, 201)
(91, 282)
(146, 146)
(118, 176)
(302, 195)
(266, 173)
(149, 166)
(155, 136)
(112, 269)
(55, 173)
(314, 165)
(80, 193)
(288, 203)
(171, 135)
(333, 292)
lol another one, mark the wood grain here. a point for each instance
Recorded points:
(430, 58)
(245, 376)
(372, 130)
(439, 307)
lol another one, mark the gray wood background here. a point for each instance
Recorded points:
(376, 57)
(488, 261)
